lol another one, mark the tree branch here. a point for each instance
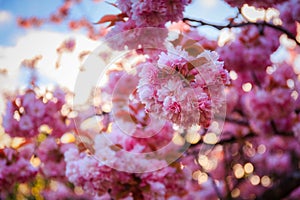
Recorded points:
(236, 25)
(237, 121)
(283, 188)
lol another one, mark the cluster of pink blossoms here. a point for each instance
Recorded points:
(15, 168)
(265, 103)
(41, 119)
(101, 180)
(146, 21)
(131, 160)
(153, 13)
(251, 49)
(180, 87)
(26, 113)
(51, 155)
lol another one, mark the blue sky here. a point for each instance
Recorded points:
(9, 31)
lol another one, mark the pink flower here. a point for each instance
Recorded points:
(26, 123)
(170, 105)
(36, 109)
(28, 98)
(14, 169)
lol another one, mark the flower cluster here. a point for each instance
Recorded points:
(262, 104)
(153, 13)
(180, 87)
(42, 119)
(251, 49)
(15, 167)
(98, 179)
(51, 155)
(142, 15)
(26, 113)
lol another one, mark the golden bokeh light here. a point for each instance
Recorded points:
(235, 193)
(178, 139)
(254, 179)
(67, 138)
(192, 137)
(290, 83)
(35, 161)
(78, 190)
(202, 160)
(248, 168)
(247, 87)
(45, 129)
(24, 189)
(202, 178)
(238, 171)
(261, 149)
(295, 95)
(196, 174)
(266, 181)
(270, 70)
(210, 138)
(233, 75)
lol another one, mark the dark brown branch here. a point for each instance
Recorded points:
(283, 188)
(230, 140)
(236, 25)
(234, 139)
(237, 121)
(255, 79)
(274, 127)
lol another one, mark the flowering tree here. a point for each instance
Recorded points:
(171, 113)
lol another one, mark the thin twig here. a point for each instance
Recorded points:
(255, 79)
(237, 121)
(213, 182)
